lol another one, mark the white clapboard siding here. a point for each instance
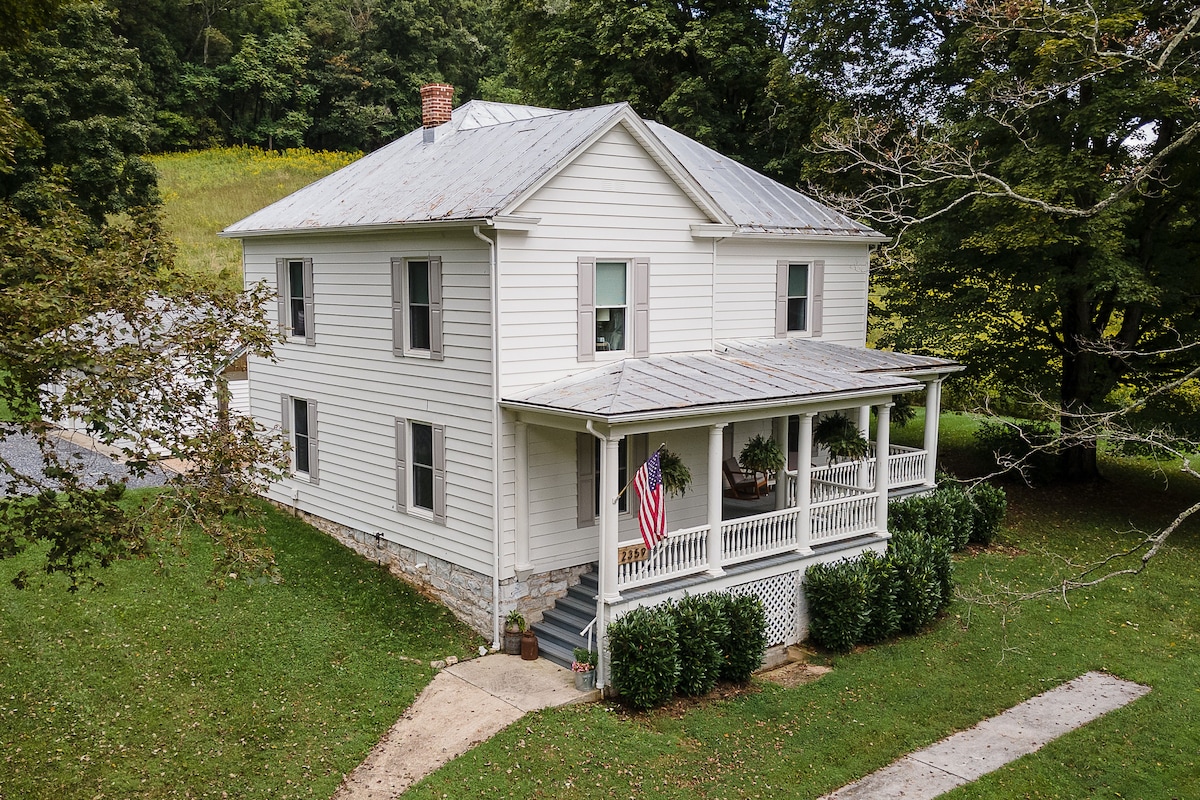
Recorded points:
(613, 202)
(361, 387)
(745, 287)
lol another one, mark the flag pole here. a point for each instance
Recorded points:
(629, 483)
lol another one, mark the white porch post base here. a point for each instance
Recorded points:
(883, 433)
(716, 436)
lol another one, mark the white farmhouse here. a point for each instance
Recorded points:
(492, 320)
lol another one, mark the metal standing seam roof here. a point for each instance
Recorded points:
(490, 154)
(739, 372)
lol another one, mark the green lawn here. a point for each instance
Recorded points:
(881, 703)
(207, 190)
(158, 685)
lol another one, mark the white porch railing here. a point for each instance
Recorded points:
(906, 467)
(683, 552)
(845, 513)
(748, 538)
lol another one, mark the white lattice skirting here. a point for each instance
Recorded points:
(779, 596)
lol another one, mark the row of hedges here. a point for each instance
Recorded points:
(686, 647)
(872, 597)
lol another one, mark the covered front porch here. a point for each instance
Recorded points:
(810, 510)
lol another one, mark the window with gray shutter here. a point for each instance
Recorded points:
(417, 307)
(294, 293)
(421, 467)
(798, 297)
(298, 421)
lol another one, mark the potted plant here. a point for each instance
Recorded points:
(676, 477)
(584, 667)
(762, 454)
(514, 626)
(841, 438)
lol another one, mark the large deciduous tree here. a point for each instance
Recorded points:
(713, 69)
(1044, 195)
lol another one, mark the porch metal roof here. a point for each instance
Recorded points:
(757, 371)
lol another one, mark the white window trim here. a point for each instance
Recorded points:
(637, 308)
(286, 405)
(814, 300)
(283, 290)
(405, 474)
(401, 323)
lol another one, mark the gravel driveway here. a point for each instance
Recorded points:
(22, 452)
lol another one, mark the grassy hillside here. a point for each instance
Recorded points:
(207, 190)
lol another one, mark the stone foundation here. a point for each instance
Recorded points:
(464, 591)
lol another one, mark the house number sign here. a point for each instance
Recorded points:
(632, 554)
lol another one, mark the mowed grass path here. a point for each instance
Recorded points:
(158, 685)
(205, 191)
(881, 703)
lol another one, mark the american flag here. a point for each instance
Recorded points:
(652, 518)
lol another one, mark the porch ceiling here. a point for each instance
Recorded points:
(787, 371)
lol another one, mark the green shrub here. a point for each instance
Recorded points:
(746, 638)
(918, 588)
(989, 505)
(838, 604)
(701, 630)
(643, 656)
(883, 619)
(943, 572)
(908, 515)
(960, 516)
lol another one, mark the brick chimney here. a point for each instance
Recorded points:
(436, 104)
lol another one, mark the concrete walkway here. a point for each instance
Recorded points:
(991, 744)
(463, 705)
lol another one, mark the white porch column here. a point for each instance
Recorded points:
(864, 430)
(716, 439)
(521, 502)
(933, 413)
(609, 477)
(804, 486)
(779, 430)
(883, 435)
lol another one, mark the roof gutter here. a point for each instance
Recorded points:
(496, 222)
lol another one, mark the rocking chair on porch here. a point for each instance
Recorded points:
(742, 485)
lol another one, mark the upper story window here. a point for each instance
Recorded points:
(614, 306)
(295, 290)
(417, 307)
(799, 297)
(612, 291)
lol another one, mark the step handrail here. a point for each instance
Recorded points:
(587, 633)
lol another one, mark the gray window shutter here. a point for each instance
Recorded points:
(313, 474)
(641, 307)
(585, 458)
(285, 414)
(587, 309)
(398, 306)
(310, 320)
(439, 473)
(401, 458)
(639, 448)
(281, 286)
(817, 293)
(435, 308)
(781, 299)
